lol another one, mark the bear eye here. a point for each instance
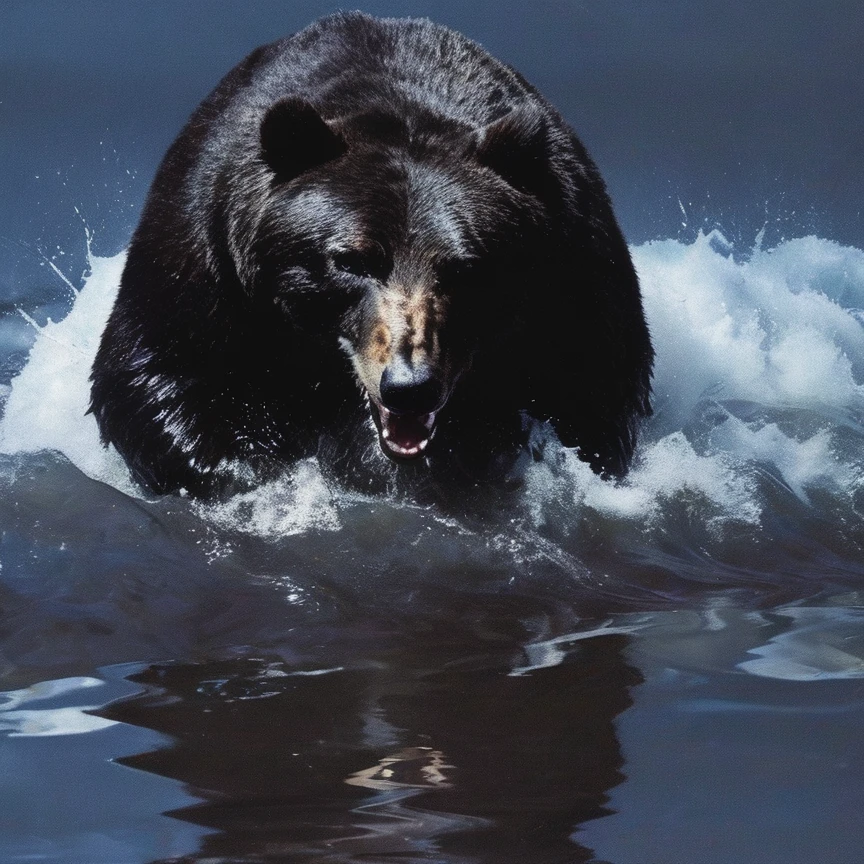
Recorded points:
(365, 265)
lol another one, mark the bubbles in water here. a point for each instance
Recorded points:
(297, 502)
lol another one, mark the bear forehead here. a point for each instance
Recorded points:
(398, 201)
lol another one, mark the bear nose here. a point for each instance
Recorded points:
(407, 389)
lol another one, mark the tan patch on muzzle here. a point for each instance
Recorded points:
(406, 324)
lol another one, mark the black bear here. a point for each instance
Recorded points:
(375, 244)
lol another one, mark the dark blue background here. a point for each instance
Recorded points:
(743, 114)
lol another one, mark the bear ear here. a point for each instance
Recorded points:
(516, 148)
(294, 138)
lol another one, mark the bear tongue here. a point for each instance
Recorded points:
(406, 434)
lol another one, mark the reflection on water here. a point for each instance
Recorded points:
(734, 734)
(62, 799)
(450, 760)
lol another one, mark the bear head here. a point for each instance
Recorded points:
(409, 239)
(382, 204)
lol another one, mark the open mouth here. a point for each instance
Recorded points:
(403, 435)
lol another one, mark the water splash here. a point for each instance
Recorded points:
(47, 406)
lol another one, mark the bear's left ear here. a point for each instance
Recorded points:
(516, 147)
(294, 138)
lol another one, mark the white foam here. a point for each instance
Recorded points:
(782, 330)
(778, 329)
(47, 406)
(47, 410)
(665, 469)
(297, 502)
(800, 464)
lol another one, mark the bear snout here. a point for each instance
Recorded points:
(406, 408)
(410, 389)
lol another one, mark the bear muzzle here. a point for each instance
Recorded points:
(409, 389)
(405, 435)
(409, 399)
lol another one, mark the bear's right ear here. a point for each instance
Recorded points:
(516, 148)
(294, 138)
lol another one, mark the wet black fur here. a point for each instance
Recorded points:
(220, 361)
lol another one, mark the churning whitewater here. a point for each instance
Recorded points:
(758, 399)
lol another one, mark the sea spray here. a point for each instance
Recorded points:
(49, 399)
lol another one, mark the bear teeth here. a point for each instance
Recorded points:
(403, 434)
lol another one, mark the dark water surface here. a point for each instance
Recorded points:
(669, 669)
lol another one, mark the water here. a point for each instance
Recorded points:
(665, 669)
(610, 670)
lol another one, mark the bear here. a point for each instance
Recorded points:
(377, 245)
